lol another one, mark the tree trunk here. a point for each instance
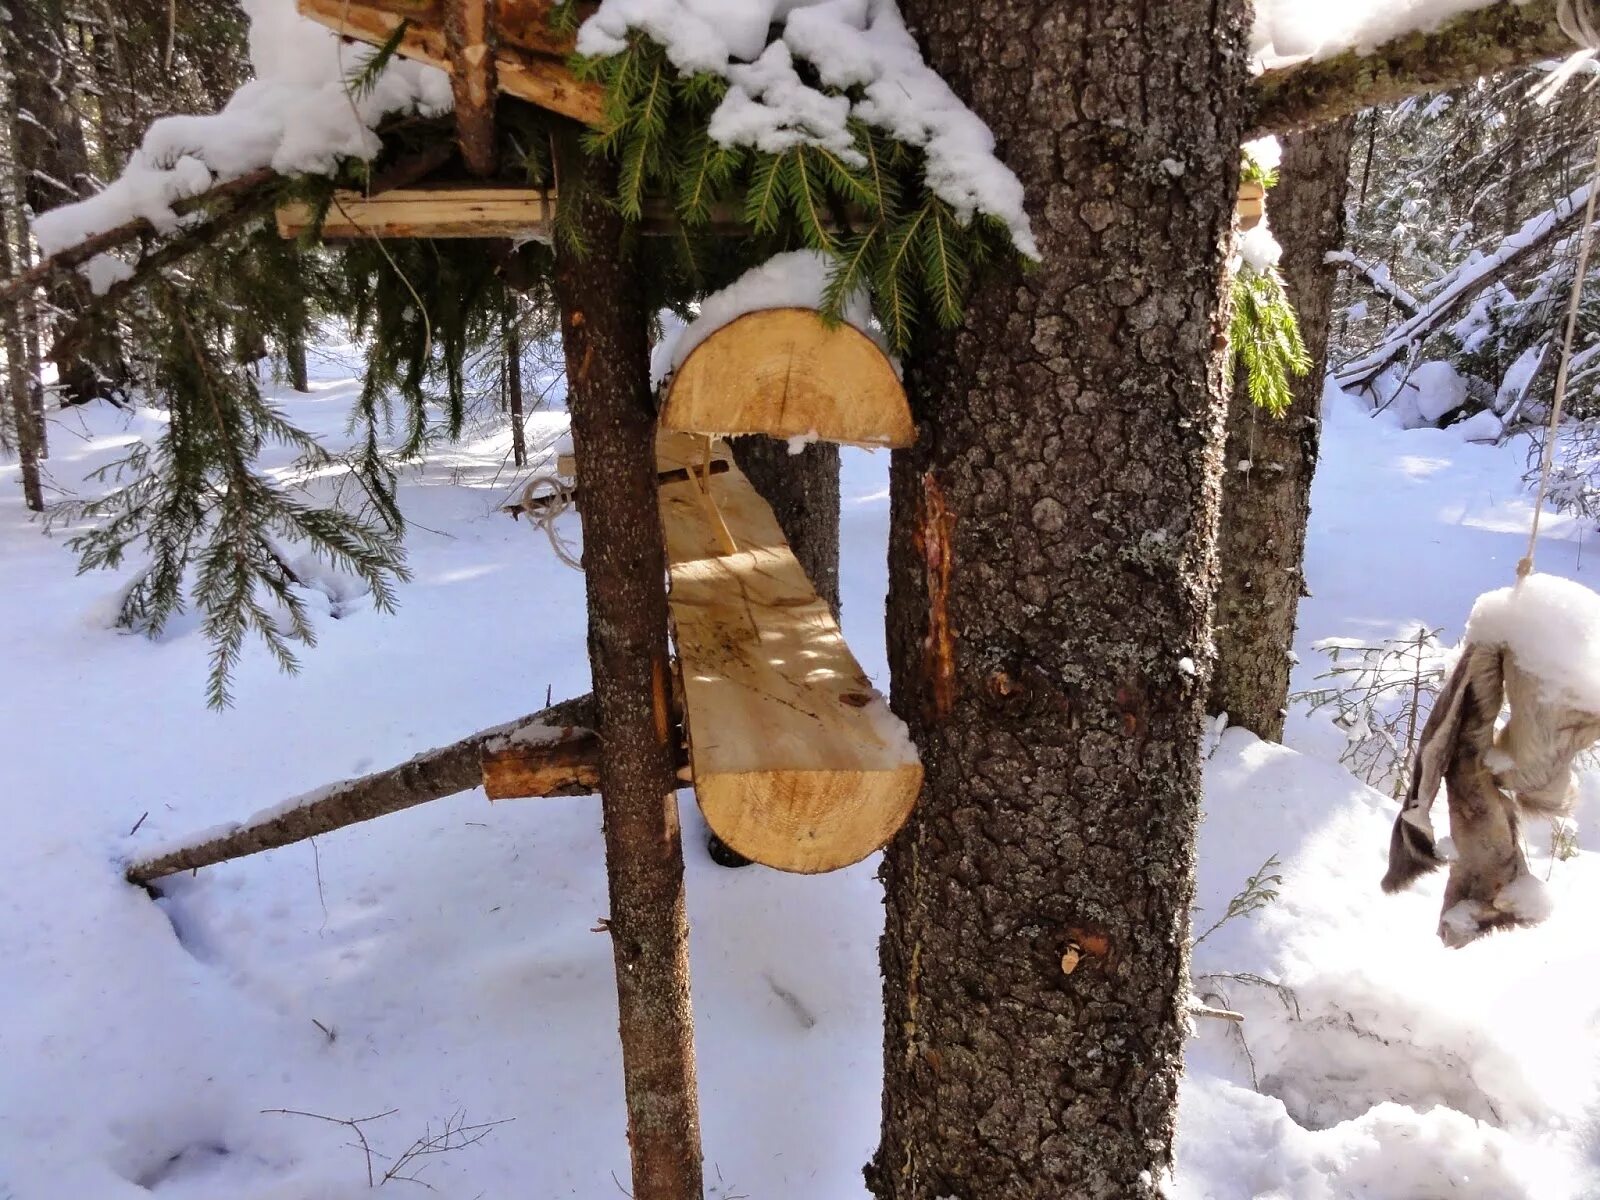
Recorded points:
(1052, 554)
(47, 138)
(513, 345)
(604, 333)
(1266, 488)
(803, 490)
(294, 353)
(19, 382)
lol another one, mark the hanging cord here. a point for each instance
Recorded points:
(1581, 23)
(545, 507)
(1585, 242)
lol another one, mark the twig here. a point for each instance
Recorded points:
(354, 1123)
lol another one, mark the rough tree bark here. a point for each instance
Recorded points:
(19, 386)
(47, 138)
(294, 353)
(1051, 562)
(803, 490)
(604, 335)
(1266, 491)
(513, 345)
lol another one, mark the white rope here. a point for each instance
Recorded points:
(545, 498)
(1585, 242)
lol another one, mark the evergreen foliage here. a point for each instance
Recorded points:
(884, 229)
(1264, 337)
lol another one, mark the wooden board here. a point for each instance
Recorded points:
(782, 372)
(441, 212)
(455, 210)
(529, 60)
(797, 761)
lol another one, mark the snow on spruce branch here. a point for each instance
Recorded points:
(297, 116)
(869, 69)
(1289, 30)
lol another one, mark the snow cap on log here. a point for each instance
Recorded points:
(760, 359)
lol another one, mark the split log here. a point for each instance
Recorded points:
(784, 373)
(563, 732)
(536, 73)
(797, 762)
(1483, 41)
(604, 334)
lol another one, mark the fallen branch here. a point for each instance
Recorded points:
(1377, 277)
(1484, 41)
(72, 257)
(1462, 286)
(430, 776)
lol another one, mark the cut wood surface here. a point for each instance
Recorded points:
(428, 212)
(528, 61)
(561, 732)
(797, 761)
(460, 210)
(784, 373)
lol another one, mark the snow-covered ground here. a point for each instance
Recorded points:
(440, 964)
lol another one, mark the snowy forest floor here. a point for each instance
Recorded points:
(439, 966)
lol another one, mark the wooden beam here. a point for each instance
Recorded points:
(470, 36)
(438, 212)
(473, 210)
(784, 373)
(538, 76)
(797, 762)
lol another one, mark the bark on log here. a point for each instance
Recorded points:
(1051, 562)
(430, 776)
(1484, 41)
(604, 330)
(1267, 470)
(470, 34)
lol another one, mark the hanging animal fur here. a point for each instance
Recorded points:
(1490, 780)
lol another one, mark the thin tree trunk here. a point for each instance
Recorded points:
(604, 331)
(294, 351)
(513, 345)
(803, 490)
(47, 138)
(19, 387)
(1051, 563)
(1266, 490)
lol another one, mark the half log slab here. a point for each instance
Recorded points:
(784, 373)
(529, 61)
(797, 762)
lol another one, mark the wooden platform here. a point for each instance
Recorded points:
(797, 762)
(529, 61)
(784, 373)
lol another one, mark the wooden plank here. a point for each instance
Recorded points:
(784, 373)
(528, 72)
(465, 212)
(797, 761)
(446, 210)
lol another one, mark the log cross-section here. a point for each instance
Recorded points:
(797, 761)
(785, 373)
